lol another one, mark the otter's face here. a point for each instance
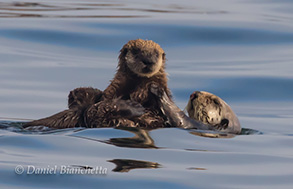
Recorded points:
(205, 107)
(211, 109)
(144, 62)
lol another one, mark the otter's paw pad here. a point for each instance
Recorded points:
(128, 108)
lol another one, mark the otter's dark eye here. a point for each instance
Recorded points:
(216, 102)
(156, 53)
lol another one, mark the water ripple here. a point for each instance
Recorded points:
(80, 10)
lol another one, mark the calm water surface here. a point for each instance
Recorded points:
(241, 50)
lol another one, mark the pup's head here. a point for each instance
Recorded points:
(145, 58)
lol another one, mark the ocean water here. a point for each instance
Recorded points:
(240, 50)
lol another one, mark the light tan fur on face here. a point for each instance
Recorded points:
(145, 58)
(204, 108)
(211, 109)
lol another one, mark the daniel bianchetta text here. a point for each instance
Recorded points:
(60, 169)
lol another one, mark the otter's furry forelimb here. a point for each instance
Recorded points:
(175, 115)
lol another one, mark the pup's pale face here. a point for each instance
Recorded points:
(144, 62)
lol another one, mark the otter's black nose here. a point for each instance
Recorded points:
(147, 63)
(194, 95)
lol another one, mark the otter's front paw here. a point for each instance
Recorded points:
(156, 90)
(128, 108)
(223, 125)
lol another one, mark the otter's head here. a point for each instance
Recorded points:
(205, 107)
(211, 109)
(144, 58)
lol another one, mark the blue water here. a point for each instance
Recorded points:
(240, 50)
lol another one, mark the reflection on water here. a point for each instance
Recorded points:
(212, 134)
(196, 168)
(239, 50)
(125, 165)
(141, 139)
(246, 131)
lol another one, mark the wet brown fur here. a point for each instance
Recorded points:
(128, 85)
(119, 104)
(132, 86)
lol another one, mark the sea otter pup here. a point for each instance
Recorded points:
(138, 96)
(141, 78)
(141, 65)
(211, 109)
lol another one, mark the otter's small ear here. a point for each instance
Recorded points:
(123, 53)
(224, 123)
(216, 102)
